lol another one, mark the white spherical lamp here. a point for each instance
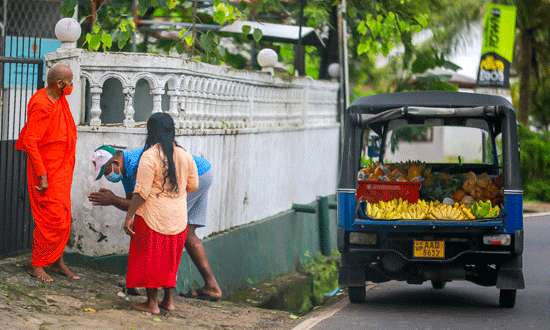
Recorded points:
(267, 58)
(334, 70)
(67, 30)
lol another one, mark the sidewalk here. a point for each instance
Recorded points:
(97, 302)
(536, 207)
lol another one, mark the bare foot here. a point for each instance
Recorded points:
(169, 306)
(146, 307)
(61, 268)
(40, 274)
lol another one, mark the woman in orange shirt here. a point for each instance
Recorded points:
(157, 216)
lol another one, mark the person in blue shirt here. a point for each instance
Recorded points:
(121, 166)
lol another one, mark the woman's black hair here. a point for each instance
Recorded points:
(161, 130)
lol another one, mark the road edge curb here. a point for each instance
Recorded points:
(312, 321)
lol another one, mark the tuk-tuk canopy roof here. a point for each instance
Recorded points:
(436, 99)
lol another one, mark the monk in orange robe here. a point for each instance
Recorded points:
(49, 140)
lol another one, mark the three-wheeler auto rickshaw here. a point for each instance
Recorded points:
(487, 252)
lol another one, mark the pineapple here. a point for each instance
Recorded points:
(415, 169)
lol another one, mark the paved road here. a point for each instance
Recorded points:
(461, 305)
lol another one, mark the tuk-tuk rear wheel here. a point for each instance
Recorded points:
(357, 294)
(507, 298)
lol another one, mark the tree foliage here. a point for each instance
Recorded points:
(376, 27)
(535, 160)
(532, 61)
(110, 25)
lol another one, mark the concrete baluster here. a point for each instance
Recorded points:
(250, 98)
(186, 115)
(157, 99)
(173, 108)
(95, 110)
(129, 107)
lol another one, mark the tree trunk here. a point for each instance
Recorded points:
(526, 53)
(330, 53)
(93, 12)
(299, 49)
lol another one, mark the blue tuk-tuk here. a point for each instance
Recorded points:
(487, 252)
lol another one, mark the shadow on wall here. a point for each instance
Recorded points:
(112, 101)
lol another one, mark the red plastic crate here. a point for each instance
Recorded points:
(375, 191)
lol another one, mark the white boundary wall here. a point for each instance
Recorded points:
(271, 142)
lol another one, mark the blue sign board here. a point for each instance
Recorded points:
(24, 75)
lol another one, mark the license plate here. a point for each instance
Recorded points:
(429, 249)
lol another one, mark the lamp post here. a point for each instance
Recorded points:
(343, 95)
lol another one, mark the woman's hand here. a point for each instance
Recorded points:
(135, 203)
(129, 226)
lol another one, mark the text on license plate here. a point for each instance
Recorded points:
(429, 249)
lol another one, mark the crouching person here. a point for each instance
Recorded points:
(121, 166)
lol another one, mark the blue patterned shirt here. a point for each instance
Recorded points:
(131, 163)
(203, 165)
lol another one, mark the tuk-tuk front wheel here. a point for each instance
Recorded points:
(357, 294)
(438, 285)
(507, 298)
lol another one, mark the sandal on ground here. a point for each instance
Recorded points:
(199, 294)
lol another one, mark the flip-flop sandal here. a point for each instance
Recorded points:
(198, 294)
(203, 296)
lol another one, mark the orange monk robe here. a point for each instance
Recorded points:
(49, 140)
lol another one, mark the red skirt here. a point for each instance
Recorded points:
(154, 258)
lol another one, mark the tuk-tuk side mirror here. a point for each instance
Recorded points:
(374, 146)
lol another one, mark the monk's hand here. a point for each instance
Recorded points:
(129, 225)
(103, 197)
(43, 184)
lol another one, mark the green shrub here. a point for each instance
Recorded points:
(535, 162)
(324, 272)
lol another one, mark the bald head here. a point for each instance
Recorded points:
(59, 73)
(60, 80)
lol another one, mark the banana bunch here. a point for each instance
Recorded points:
(387, 210)
(448, 212)
(418, 211)
(485, 209)
(402, 209)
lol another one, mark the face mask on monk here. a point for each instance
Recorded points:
(66, 89)
(113, 177)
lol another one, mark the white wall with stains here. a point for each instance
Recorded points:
(256, 175)
(272, 141)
